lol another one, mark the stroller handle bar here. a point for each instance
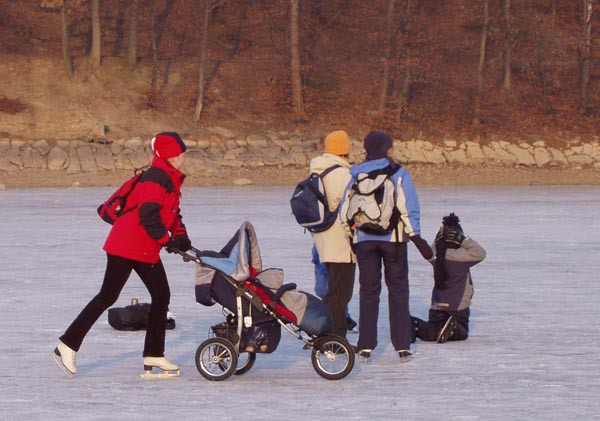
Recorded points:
(187, 257)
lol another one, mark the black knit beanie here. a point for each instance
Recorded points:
(377, 144)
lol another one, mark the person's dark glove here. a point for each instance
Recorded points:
(422, 246)
(184, 242)
(173, 245)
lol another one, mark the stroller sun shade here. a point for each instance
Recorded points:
(238, 256)
(239, 259)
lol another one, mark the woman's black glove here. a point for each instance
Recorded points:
(178, 244)
(173, 246)
(184, 242)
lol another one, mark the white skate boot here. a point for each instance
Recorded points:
(64, 357)
(168, 368)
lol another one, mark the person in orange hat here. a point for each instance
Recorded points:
(135, 240)
(333, 247)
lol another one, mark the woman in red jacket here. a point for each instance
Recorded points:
(134, 243)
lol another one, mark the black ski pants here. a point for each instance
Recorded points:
(341, 285)
(118, 270)
(429, 330)
(370, 255)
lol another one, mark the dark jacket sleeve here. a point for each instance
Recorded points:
(151, 221)
(154, 187)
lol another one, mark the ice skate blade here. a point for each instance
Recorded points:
(365, 355)
(148, 374)
(60, 365)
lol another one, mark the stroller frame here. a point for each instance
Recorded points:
(218, 358)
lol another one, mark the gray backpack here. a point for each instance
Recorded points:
(372, 202)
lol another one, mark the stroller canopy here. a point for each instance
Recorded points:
(238, 256)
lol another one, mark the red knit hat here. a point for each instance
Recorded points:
(167, 145)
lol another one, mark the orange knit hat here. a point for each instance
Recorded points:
(337, 143)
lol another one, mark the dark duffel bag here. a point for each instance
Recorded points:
(133, 317)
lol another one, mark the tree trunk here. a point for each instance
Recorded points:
(385, 81)
(481, 64)
(297, 97)
(154, 46)
(95, 55)
(132, 41)
(586, 50)
(65, 41)
(202, 65)
(404, 93)
(507, 48)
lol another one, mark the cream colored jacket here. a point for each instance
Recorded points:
(333, 245)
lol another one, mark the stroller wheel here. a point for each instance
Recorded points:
(245, 362)
(216, 359)
(332, 357)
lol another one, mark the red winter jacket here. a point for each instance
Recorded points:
(140, 233)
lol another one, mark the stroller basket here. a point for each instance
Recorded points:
(260, 338)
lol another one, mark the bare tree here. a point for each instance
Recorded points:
(297, 96)
(209, 5)
(481, 64)
(132, 40)
(95, 54)
(65, 40)
(586, 50)
(554, 7)
(507, 46)
(154, 44)
(387, 59)
(64, 19)
(405, 76)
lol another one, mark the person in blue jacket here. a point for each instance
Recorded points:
(388, 247)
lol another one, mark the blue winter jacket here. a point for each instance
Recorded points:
(407, 203)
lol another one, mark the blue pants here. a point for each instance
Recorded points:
(370, 255)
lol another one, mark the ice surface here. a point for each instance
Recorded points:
(532, 354)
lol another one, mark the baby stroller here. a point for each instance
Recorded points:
(257, 305)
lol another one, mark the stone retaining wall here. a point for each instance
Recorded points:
(223, 149)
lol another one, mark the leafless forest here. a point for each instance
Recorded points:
(479, 68)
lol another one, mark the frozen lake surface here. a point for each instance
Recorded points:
(532, 354)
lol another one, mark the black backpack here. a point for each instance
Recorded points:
(309, 203)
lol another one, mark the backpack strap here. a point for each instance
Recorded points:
(328, 170)
(317, 193)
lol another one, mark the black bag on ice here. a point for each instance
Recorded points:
(133, 317)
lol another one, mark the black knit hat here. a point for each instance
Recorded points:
(377, 144)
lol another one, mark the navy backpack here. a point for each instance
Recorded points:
(309, 203)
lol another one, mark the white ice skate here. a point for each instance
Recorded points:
(364, 353)
(64, 357)
(168, 368)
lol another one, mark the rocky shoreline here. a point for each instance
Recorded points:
(224, 158)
